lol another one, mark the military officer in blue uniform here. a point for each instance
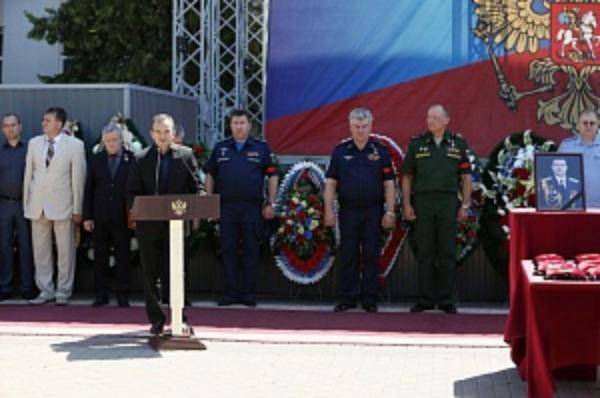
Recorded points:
(236, 171)
(436, 167)
(360, 172)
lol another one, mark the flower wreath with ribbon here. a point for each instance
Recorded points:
(467, 231)
(302, 244)
(510, 182)
(393, 240)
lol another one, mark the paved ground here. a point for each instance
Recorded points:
(75, 360)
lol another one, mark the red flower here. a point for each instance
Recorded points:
(521, 173)
(519, 190)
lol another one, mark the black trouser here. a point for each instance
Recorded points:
(240, 220)
(360, 231)
(152, 252)
(106, 233)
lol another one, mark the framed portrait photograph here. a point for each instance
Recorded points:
(559, 182)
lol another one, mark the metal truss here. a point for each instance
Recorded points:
(219, 57)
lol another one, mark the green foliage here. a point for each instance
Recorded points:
(110, 41)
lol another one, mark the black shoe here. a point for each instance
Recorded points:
(448, 308)
(341, 307)
(224, 302)
(122, 301)
(420, 308)
(369, 307)
(157, 328)
(100, 301)
(6, 296)
(29, 295)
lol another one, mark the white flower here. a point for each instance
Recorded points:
(289, 222)
(136, 147)
(300, 229)
(314, 224)
(505, 229)
(501, 212)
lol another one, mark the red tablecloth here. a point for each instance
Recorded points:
(552, 324)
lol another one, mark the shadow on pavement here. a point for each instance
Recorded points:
(107, 348)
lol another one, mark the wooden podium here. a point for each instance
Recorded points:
(176, 209)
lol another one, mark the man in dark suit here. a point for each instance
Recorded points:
(163, 168)
(105, 213)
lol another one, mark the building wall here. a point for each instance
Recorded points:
(24, 59)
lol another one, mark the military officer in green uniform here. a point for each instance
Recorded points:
(435, 168)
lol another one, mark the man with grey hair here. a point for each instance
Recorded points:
(360, 172)
(587, 143)
(105, 214)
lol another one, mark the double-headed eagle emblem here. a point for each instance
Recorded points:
(572, 30)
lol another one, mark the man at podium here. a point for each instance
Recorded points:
(163, 168)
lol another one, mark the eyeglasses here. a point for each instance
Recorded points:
(588, 123)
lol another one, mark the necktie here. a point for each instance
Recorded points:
(50, 151)
(112, 165)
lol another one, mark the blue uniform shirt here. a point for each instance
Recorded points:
(360, 173)
(12, 168)
(239, 174)
(591, 165)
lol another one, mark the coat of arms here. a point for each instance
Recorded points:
(564, 39)
(179, 207)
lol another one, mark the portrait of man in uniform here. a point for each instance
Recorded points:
(559, 182)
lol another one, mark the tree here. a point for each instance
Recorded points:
(110, 41)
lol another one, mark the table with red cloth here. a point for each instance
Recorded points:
(553, 327)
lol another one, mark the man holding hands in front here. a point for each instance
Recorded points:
(436, 166)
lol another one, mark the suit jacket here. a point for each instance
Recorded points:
(105, 197)
(56, 190)
(142, 181)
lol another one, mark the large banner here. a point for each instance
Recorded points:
(499, 66)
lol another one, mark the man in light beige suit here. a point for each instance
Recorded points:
(52, 199)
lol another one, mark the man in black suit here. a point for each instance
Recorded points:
(163, 168)
(105, 213)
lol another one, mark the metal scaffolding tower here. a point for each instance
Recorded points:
(219, 57)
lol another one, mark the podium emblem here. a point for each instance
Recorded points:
(179, 207)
